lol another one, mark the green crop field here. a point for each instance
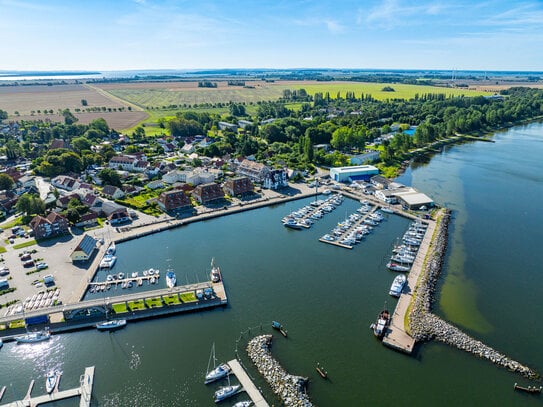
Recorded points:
(168, 94)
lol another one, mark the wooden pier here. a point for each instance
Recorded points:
(84, 391)
(247, 384)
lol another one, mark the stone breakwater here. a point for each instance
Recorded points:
(291, 389)
(424, 325)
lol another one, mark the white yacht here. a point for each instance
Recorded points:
(51, 379)
(108, 261)
(111, 325)
(33, 337)
(397, 285)
(170, 279)
(226, 391)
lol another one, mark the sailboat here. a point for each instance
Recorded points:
(224, 392)
(218, 372)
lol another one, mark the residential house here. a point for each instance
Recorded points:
(228, 126)
(58, 143)
(188, 148)
(66, 183)
(122, 161)
(141, 166)
(173, 201)
(244, 123)
(257, 172)
(88, 219)
(26, 182)
(83, 251)
(119, 216)
(206, 193)
(238, 186)
(156, 184)
(62, 202)
(276, 179)
(112, 192)
(52, 225)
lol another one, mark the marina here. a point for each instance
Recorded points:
(84, 392)
(252, 277)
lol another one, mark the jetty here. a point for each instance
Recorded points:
(137, 305)
(84, 392)
(396, 336)
(254, 394)
(290, 388)
(529, 389)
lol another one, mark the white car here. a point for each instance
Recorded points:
(41, 266)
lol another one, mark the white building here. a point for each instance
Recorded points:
(349, 174)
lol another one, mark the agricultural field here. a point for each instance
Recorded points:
(25, 99)
(30, 102)
(164, 94)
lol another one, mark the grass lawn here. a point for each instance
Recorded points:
(3, 249)
(171, 299)
(153, 302)
(25, 244)
(119, 308)
(17, 324)
(15, 222)
(188, 297)
(136, 305)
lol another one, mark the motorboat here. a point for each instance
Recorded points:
(291, 223)
(397, 267)
(379, 327)
(215, 272)
(386, 209)
(108, 261)
(226, 391)
(51, 380)
(217, 372)
(397, 285)
(402, 259)
(111, 325)
(244, 403)
(33, 337)
(279, 327)
(170, 279)
(111, 249)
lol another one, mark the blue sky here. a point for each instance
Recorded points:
(162, 34)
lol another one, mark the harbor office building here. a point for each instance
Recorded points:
(355, 173)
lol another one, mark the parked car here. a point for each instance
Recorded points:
(12, 240)
(26, 256)
(4, 271)
(41, 265)
(28, 263)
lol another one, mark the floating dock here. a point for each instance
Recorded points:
(247, 384)
(84, 391)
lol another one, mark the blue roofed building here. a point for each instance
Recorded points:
(84, 249)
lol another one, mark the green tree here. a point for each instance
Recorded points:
(80, 144)
(73, 215)
(6, 182)
(30, 204)
(110, 177)
(69, 117)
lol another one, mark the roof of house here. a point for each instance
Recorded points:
(86, 245)
(110, 190)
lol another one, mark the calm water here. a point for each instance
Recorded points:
(327, 297)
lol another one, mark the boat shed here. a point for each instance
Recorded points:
(357, 172)
(414, 200)
(84, 249)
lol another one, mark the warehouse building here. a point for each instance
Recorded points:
(355, 173)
